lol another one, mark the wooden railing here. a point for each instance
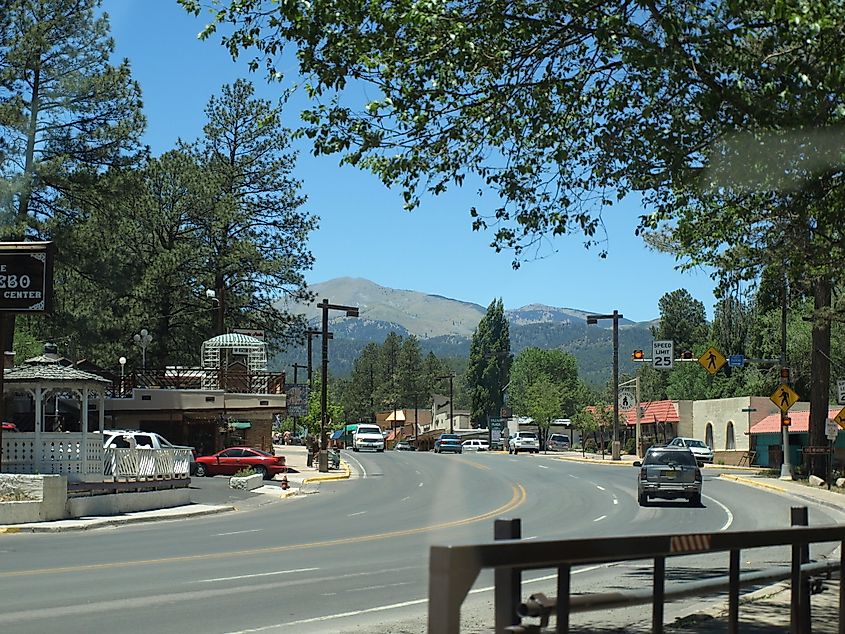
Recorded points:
(236, 381)
(143, 463)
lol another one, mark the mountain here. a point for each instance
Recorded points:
(445, 326)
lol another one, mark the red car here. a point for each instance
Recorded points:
(9, 427)
(234, 459)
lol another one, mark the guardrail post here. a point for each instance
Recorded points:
(799, 621)
(733, 593)
(842, 587)
(658, 595)
(562, 606)
(508, 582)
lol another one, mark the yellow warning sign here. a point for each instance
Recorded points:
(784, 397)
(840, 418)
(712, 360)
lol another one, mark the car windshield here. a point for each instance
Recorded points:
(696, 443)
(368, 430)
(527, 434)
(450, 437)
(683, 458)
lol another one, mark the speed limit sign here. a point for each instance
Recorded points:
(663, 354)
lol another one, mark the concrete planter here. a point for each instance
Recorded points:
(248, 483)
(42, 498)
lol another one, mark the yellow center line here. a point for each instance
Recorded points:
(518, 497)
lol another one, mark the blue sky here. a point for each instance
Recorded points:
(364, 231)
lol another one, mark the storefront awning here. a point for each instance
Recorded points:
(337, 434)
(240, 424)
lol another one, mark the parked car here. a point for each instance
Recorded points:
(669, 472)
(700, 450)
(119, 438)
(448, 443)
(10, 427)
(557, 442)
(475, 445)
(523, 441)
(368, 437)
(404, 445)
(234, 459)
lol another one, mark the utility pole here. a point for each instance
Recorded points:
(786, 465)
(616, 450)
(451, 377)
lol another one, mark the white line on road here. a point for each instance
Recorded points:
(358, 462)
(421, 483)
(574, 476)
(600, 488)
(254, 530)
(725, 509)
(599, 519)
(391, 585)
(358, 513)
(384, 608)
(407, 497)
(615, 500)
(258, 574)
(542, 466)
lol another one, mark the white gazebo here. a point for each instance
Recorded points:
(79, 455)
(224, 353)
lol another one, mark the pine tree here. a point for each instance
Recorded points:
(489, 363)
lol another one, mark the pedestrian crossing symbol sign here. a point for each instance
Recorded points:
(840, 418)
(712, 360)
(784, 397)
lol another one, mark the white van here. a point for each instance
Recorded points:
(368, 437)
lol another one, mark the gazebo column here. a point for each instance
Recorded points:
(38, 397)
(102, 410)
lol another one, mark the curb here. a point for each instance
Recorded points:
(754, 483)
(100, 522)
(614, 463)
(347, 472)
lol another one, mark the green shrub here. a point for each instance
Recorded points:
(245, 473)
(631, 446)
(590, 445)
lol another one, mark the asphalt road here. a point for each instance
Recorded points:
(354, 557)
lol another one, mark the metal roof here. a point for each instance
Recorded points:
(53, 372)
(234, 339)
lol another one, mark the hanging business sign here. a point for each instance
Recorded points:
(296, 399)
(26, 277)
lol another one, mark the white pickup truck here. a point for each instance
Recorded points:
(368, 437)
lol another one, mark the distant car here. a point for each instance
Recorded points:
(669, 472)
(703, 453)
(475, 445)
(234, 459)
(368, 437)
(448, 443)
(523, 441)
(557, 442)
(10, 427)
(404, 445)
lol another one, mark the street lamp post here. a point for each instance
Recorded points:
(594, 319)
(310, 334)
(143, 339)
(351, 311)
(122, 362)
(451, 377)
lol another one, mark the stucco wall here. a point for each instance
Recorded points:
(722, 414)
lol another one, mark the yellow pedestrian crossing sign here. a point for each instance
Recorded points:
(840, 418)
(784, 397)
(712, 360)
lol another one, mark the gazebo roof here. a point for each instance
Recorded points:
(50, 372)
(233, 340)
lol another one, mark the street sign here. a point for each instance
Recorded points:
(663, 355)
(627, 400)
(496, 426)
(26, 277)
(814, 450)
(784, 397)
(840, 392)
(840, 418)
(736, 360)
(831, 428)
(296, 399)
(712, 360)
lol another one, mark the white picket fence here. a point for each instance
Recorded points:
(64, 454)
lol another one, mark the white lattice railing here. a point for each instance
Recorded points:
(146, 464)
(53, 453)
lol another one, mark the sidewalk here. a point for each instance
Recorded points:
(299, 478)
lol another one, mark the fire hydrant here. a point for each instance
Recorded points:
(285, 485)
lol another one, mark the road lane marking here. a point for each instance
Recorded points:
(518, 497)
(358, 513)
(599, 519)
(358, 462)
(615, 500)
(381, 587)
(573, 476)
(420, 484)
(725, 509)
(258, 574)
(600, 488)
(254, 530)
(542, 466)
(394, 606)
(407, 497)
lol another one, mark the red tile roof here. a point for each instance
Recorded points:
(800, 422)
(654, 412)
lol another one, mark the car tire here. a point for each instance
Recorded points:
(695, 500)
(201, 471)
(515, 451)
(643, 500)
(354, 448)
(260, 470)
(380, 450)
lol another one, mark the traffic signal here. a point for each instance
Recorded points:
(686, 354)
(637, 355)
(787, 421)
(784, 375)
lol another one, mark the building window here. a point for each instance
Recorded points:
(730, 442)
(708, 435)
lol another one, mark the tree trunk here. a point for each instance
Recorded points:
(820, 373)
